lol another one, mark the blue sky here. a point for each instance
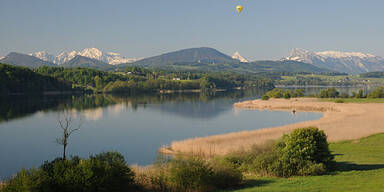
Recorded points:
(266, 29)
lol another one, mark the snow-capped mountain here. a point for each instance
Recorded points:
(43, 55)
(93, 53)
(348, 62)
(237, 56)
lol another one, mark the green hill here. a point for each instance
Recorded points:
(15, 79)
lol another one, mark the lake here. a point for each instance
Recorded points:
(136, 126)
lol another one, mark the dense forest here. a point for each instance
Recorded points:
(23, 80)
(132, 80)
(377, 74)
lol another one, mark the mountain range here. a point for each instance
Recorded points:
(347, 62)
(93, 53)
(198, 59)
(19, 59)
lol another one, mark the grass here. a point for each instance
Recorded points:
(355, 100)
(359, 167)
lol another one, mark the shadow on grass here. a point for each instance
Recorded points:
(347, 166)
(255, 183)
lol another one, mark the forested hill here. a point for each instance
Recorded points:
(193, 55)
(208, 59)
(15, 79)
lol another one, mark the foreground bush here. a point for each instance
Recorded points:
(188, 174)
(303, 152)
(103, 172)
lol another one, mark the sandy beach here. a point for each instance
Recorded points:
(341, 121)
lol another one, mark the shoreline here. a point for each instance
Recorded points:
(340, 121)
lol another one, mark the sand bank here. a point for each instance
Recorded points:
(341, 121)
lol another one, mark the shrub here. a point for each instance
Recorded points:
(360, 94)
(303, 152)
(103, 172)
(190, 174)
(225, 175)
(299, 93)
(152, 178)
(265, 97)
(280, 93)
(195, 174)
(329, 93)
(287, 95)
(344, 95)
(110, 173)
(339, 101)
(377, 93)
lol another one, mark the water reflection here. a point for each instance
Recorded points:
(194, 105)
(136, 126)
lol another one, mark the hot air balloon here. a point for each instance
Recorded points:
(239, 8)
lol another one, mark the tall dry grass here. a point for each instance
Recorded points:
(152, 177)
(359, 120)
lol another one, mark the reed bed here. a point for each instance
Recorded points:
(340, 121)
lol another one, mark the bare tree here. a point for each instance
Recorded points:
(66, 120)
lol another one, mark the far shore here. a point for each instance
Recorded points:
(341, 121)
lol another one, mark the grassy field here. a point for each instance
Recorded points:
(356, 100)
(359, 167)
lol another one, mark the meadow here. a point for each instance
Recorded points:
(359, 167)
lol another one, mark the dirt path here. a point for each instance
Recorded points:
(341, 121)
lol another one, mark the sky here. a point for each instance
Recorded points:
(266, 29)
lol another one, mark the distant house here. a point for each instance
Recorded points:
(176, 79)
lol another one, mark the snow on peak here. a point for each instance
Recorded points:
(349, 62)
(94, 53)
(337, 54)
(237, 56)
(43, 55)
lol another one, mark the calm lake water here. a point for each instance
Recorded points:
(136, 126)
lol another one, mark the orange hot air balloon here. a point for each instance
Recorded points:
(239, 8)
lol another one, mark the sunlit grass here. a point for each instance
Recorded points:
(360, 167)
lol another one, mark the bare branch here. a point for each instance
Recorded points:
(66, 120)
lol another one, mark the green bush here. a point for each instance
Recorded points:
(264, 97)
(195, 174)
(377, 93)
(344, 95)
(103, 172)
(329, 93)
(360, 94)
(339, 101)
(225, 175)
(287, 94)
(299, 93)
(303, 152)
(280, 93)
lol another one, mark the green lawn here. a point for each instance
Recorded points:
(360, 167)
(356, 100)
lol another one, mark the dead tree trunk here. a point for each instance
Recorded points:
(66, 120)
